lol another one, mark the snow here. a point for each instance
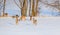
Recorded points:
(45, 26)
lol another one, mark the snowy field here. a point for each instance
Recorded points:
(45, 26)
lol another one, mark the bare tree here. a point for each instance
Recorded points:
(23, 6)
(54, 4)
(4, 7)
(34, 7)
(1, 6)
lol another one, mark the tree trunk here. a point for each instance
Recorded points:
(4, 7)
(34, 4)
(24, 8)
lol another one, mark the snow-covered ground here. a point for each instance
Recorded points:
(45, 26)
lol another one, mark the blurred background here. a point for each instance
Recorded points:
(45, 7)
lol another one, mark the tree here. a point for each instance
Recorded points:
(34, 7)
(54, 4)
(4, 7)
(1, 6)
(23, 6)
